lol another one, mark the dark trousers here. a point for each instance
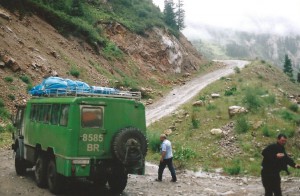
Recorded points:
(271, 183)
(162, 166)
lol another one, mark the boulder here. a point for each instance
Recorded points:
(11, 63)
(257, 124)
(2, 64)
(215, 95)
(198, 103)
(168, 132)
(216, 131)
(233, 110)
(4, 15)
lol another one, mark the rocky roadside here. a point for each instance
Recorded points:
(189, 183)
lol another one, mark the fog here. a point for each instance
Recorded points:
(255, 16)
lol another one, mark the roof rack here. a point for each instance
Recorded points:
(63, 92)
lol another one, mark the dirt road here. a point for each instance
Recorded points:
(189, 183)
(182, 94)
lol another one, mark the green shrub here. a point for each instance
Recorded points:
(11, 97)
(210, 107)
(252, 98)
(286, 115)
(230, 91)
(234, 168)
(142, 13)
(289, 116)
(154, 141)
(267, 132)
(289, 132)
(8, 79)
(10, 128)
(4, 114)
(184, 153)
(74, 72)
(270, 99)
(29, 87)
(25, 79)
(202, 98)
(237, 70)
(261, 77)
(294, 107)
(242, 125)
(195, 121)
(111, 51)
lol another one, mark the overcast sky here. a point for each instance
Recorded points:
(260, 16)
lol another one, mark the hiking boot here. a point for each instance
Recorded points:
(158, 180)
(173, 180)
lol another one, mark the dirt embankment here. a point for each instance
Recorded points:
(33, 49)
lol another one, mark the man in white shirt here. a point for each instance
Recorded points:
(166, 158)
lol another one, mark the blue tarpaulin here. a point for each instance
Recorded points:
(57, 85)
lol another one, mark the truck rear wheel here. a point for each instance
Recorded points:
(41, 171)
(117, 179)
(130, 146)
(20, 163)
(56, 182)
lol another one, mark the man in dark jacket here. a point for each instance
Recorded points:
(275, 160)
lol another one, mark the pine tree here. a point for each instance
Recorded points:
(169, 14)
(287, 67)
(180, 14)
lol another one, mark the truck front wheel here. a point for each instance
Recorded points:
(56, 182)
(20, 163)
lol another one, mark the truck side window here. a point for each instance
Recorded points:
(91, 117)
(55, 114)
(33, 112)
(64, 114)
(41, 113)
(47, 113)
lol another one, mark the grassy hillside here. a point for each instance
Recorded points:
(81, 18)
(261, 88)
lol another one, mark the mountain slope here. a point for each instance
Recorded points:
(226, 43)
(31, 49)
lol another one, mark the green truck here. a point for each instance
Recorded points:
(98, 137)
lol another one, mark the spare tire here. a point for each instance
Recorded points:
(130, 146)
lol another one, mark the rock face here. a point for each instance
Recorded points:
(173, 49)
(161, 51)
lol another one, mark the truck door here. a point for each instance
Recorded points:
(19, 121)
(91, 130)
